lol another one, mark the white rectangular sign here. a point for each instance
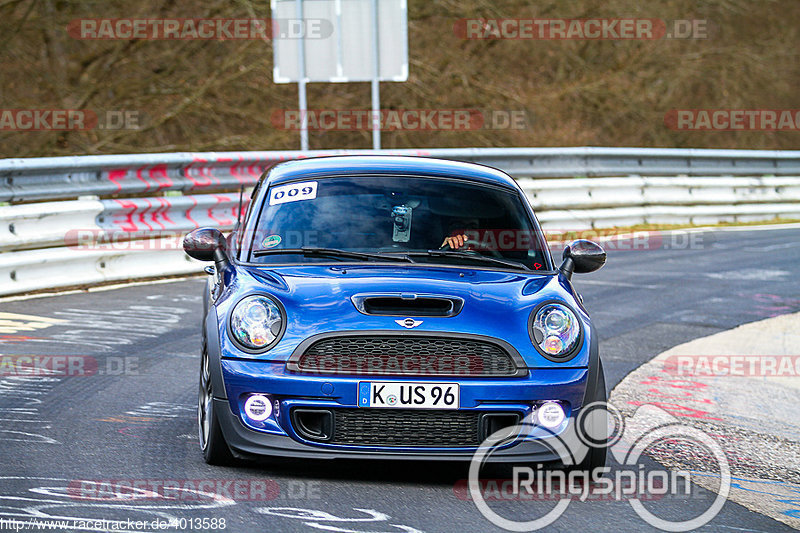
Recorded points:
(338, 40)
(293, 192)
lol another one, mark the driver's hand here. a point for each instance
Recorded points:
(454, 241)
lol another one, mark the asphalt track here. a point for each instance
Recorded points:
(134, 418)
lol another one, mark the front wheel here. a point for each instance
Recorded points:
(212, 441)
(595, 431)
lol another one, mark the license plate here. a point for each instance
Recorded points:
(414, 395)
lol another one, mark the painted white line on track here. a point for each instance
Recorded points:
(615, 284)
(102, 288)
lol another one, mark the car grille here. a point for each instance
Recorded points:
(405, 355)
(409, 428)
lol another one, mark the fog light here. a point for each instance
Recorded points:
(258, 407)
(550, 414)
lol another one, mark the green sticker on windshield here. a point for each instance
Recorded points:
(271, 241)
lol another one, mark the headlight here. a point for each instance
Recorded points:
(555, 330)
(256, 322)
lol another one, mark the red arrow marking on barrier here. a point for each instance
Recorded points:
(154, 215)
(188, 173)
(118, 174)
(164, 209)
(244, 173)
(235, 171)
(142, 179)
(158, 212)
(144, 213)
(231, 168)
(128, 217)
(220, 199)
(188, 216)
(159, 173)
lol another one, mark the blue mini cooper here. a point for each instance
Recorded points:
(391, 307)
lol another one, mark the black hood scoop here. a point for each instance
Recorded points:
(408, 304)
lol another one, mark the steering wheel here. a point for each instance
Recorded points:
(476, 245)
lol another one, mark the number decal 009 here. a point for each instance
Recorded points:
(293, 192)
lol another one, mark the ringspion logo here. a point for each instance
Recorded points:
(627, 440)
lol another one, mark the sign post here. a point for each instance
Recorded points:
(301, 84)
(341, 41)
(376, 84)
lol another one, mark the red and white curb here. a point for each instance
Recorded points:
(741, 387)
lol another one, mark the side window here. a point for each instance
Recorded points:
(242, 222)
(252, 197)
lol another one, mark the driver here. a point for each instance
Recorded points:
(457, 234)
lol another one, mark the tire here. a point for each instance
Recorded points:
(212, 441)
(596, 458)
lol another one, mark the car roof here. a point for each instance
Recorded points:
(353, 165)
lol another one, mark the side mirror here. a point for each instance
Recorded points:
(207, 244)
(582, 256)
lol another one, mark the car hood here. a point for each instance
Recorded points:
(318, 299)
(320, 283)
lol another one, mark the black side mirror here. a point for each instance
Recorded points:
(582, 256)
(207, 244)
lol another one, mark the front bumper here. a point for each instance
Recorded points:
(278, 437)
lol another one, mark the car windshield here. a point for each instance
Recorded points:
(405, 218)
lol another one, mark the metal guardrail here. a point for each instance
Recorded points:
(23, 180)
(144, 197)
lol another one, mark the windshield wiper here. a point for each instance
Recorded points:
(309, 251)
(472, 257)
